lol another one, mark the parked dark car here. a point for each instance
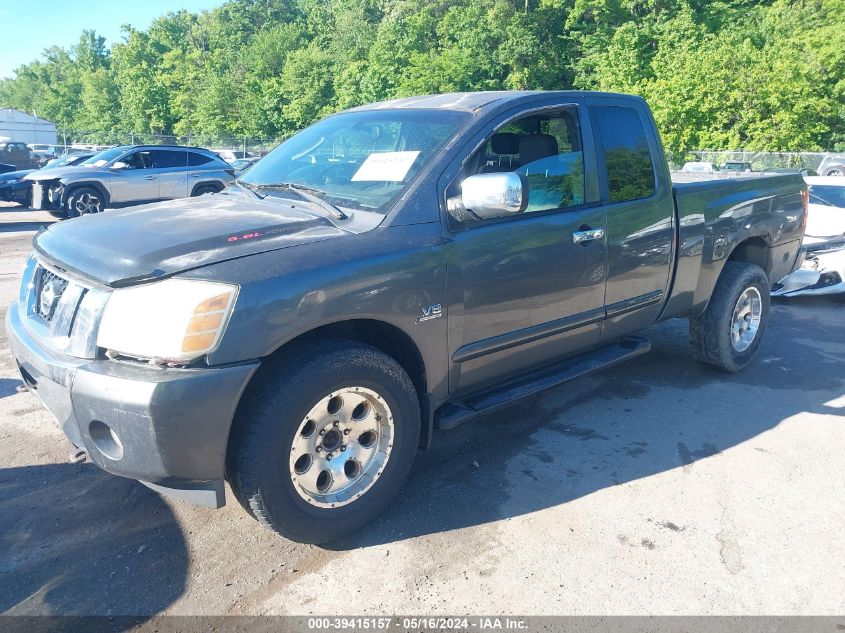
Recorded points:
(17, 154)
(242, 164)
(392, 269)
(15, 187)
(735, 165)
(801, 171)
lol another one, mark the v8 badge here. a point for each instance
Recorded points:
(430, 312)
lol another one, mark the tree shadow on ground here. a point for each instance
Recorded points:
(75, 540)
(658, 412)
(9, 386)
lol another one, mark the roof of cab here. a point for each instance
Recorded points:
(469, 101)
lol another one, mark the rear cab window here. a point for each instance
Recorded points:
(624, 153)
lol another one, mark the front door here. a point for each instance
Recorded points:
(531, 286)
(136, 181)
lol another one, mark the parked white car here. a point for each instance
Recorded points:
(823, 270)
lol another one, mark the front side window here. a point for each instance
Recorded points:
(547, 150)
(138, 160)
(627, 158)
(359, 160)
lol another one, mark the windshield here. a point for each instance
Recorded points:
(358, 160)
(98, 160)
(830, 194)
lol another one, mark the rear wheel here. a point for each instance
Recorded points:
(84, 201)
(729, 332)
(204, 189)
(324, 440)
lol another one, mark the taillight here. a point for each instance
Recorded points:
(805, 202)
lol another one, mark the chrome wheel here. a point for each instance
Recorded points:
(747, 315)
(87, 203)
(341, 447)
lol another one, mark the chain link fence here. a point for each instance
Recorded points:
(242, 145)
(762, 160)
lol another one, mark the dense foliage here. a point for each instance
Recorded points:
(766, 75)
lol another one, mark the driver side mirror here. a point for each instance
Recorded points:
(495, 195)
(120, 165)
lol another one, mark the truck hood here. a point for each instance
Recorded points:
(124, 246)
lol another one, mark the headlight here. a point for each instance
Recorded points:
(171, 320)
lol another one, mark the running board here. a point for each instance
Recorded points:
(453, 414)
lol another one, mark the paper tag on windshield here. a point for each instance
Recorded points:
(386, 166)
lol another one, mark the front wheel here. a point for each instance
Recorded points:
(834, 172)
(324, 440)
(729, 331)
(84, 201)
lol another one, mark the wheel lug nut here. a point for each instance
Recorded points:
(336, 423)
(318, 449)
(322, 431)
(329, 456)
(342, 447)
(346, 431)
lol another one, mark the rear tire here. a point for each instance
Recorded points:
(286, 438)
(729, 331)
(204, 189)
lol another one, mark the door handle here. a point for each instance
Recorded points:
(196, 175)
(149, 177)
(582, 237)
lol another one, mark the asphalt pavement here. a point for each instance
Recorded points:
(656, 487)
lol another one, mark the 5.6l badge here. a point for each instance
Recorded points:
(434, 311)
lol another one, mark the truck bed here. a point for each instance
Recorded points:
(713, 216)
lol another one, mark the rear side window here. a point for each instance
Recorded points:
(627, 159)
(169, 158)
(194, 159)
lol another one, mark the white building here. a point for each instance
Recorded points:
(25, 128)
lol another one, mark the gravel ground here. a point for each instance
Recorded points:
(657, 487)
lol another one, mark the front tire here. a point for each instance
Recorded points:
(324, 439)
(84, 201)
(729, 331)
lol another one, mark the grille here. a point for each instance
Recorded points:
(50, 290)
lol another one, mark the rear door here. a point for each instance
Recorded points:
(523, 291)
(137, 181)
(201, 168)
(640, 215)
(172, 165)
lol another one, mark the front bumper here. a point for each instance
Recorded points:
(821, 273)
(167, 428)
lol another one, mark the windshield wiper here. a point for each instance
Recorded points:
(309, 193)
(249, 187)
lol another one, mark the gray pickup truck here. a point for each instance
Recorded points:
(393, 269)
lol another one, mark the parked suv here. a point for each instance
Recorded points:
(127, 175)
